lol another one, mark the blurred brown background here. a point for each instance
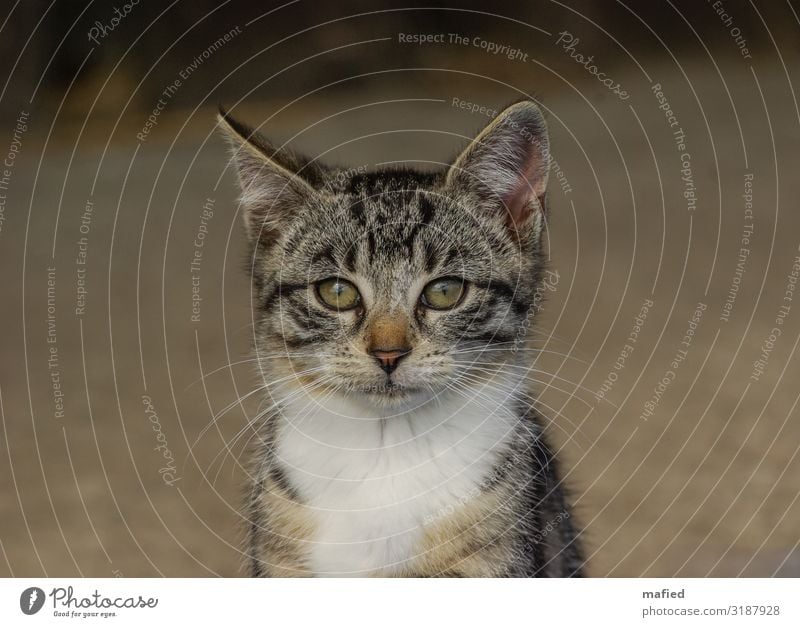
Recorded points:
(110, 372)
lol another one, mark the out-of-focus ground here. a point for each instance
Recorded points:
(707, 484)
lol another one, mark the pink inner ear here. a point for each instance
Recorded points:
(526, 194)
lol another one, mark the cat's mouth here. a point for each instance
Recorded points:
(386, 389)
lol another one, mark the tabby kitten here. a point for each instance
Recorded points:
(398, 437)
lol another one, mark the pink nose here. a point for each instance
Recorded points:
(389, 359)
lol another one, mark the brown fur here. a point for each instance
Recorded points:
(284, 530)
(388, 333)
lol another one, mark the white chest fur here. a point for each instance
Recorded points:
(373, 481)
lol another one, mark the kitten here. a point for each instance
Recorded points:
(399, 437)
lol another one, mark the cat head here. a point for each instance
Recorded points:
(394, 286)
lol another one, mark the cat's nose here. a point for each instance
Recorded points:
(389, 359)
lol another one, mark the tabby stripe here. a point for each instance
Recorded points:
(498, 287)
(283, 290)
(301, 342)
(357, 211)
(279, 478)
(325, 254)
(426, 210)
(542, 460)
(279, 292)
(349, 261)
(412, 236)
(520, 307)
(430, 257)
(497, 337)
(256, 569)
(303, 321)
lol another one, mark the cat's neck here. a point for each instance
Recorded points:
(373, 484)
(350, 439)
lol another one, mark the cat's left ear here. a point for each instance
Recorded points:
(505, 168)
(276, 184)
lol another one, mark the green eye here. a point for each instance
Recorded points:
(338, 294)
(443, 293)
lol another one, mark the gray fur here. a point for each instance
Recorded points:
(481, 220)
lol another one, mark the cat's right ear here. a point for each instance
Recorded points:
(272, 190)
(505, 167)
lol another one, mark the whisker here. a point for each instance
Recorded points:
(254, 360)
(535, 438)
(521, 394)
(527, 376)
(495, 349)
(230, 444)
(500, 366)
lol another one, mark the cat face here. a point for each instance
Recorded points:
(394, 286)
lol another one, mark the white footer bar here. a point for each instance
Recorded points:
(390, 602)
